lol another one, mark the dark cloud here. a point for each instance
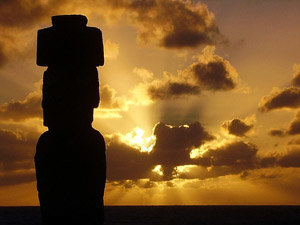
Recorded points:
(286, 98)
(237, 127)
(125, 162)
(173, 145)
(213, 76)
(19, 13)
(187, 24)
(3, 56)
(277, 133)
(261, 175)
(17, 177)
(296, 77)
(172, 90)
(211, 72)
(108, 98)
(172, 150)
(17, 150)
(294, 127)
(236, 154)
(30, 107)
(16, 157)
(16, 16)
(167, 151)
(290, 158)
(267, 161)
(294, 142)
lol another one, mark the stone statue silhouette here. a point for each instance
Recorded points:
(70, 157)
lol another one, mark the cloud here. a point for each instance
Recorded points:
(278, 99)
(174, 143)
(17, 17)
(17, 177)
(143, 73)
(17, 150)
(211, 72)
(30, 107)
(131, 157)
(235, 154)
(18, 13)
(267, 161)
(294, 127)
(3, 56)
(169, 89)
(296, 76)
(108, 98)
(277, 133)
(125, 162)
(294, 142)
(213, 76)
(165, 155)
(169, 158)
(112, 106)
(230, 158)
(290, 159)
(188, 24)
(237, 127)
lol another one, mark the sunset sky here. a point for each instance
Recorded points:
(199, 99)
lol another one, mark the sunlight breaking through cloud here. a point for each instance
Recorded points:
(137, 140)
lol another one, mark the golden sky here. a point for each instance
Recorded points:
(199, 99)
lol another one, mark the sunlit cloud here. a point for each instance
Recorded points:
(143, 73)
(107, 113)
(136, 139)
(158, 170)
(179, 170)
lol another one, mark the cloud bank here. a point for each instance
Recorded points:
(188, 24)
(18, 111)
(211, 72)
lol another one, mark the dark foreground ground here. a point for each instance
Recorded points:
(175, 215)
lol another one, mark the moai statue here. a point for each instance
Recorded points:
(70, 157)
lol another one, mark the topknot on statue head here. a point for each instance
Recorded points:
(69, 42)
(68, 21)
